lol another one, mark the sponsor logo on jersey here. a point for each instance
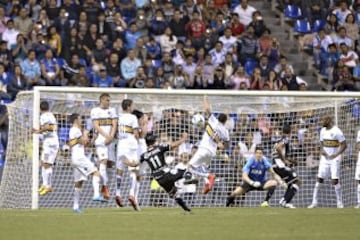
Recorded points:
(331, 143)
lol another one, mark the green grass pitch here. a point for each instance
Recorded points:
(173, 224)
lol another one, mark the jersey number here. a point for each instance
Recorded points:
(155, 161)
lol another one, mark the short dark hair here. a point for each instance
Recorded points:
(286, 129)
(150, 139)
(44, 106)
(104, 95)
(259, 148)
(73, 117)
(138, 114)
(222, 118)
(126, 103)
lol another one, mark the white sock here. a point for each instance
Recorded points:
(103, 174)
(358, 193)
(137, 188)
(338, 193)
(118, 185)
(316, 191)
(132, 184)
(48, 173)
(77, 193)
(44, 176)
(96, 185)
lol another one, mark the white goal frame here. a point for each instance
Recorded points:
(37, 95)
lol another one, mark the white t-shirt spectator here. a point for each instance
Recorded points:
(245, 15)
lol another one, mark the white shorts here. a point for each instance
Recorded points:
(329, 168)
(83, 167)
(50, 150)
(201, 157)
(106, 152)
(357, 171)
(126, 150)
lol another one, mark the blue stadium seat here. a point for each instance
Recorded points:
(156, 63)
(293, 12)
(302, 26)
(63, 135)
(61, 62)
(249, 66)
(83, 62)
(319, 24)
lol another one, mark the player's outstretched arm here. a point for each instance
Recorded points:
(44, 129)
(180, 141)
(207, 107)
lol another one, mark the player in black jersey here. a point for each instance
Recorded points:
(282, 166)
(164, 175)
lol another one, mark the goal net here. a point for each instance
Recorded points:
(254, 118)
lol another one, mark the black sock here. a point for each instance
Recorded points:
(290, 192)
(182, 204)
(269, 193)
(230, 200)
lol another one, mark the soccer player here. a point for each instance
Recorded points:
(282, 167)
(216, 136)
(253, 178)
(50, 146)
(104, 120)
(166, 177)
(357, 171)
(127, 151)
(333, 144)
(83, 167)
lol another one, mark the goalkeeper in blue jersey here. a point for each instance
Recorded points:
(253, 178)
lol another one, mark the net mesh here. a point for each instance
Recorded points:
(252, 120)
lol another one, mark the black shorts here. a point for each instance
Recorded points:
(286, 173)
(247, 187)
(167, 180)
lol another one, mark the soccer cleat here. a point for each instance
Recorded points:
(357, 206)
(134, 204)
(98, 199)
(340, 205)
(105, 192)
(119, 201)
(264, 204)
(289, 205)
(313, 205)
(41, 188)
(77, 210)
(209, 185)
(45, 191)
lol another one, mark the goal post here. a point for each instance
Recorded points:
(252, 114)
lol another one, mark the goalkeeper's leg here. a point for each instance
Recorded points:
(238, 191)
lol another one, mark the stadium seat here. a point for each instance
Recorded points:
(83, 62)
(319, 24)
(302, 26)
(61, 62)
(249, 66)
(293, 12)
(63, 135)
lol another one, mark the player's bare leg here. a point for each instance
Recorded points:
(133, 188)
(270, 186)
(46, 172)
(77, 194)
(96, 186)
(316, 192)
(230, 199)
(337, 187)
(104, 177)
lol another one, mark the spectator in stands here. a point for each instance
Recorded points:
(118, 26)
(5, 54)
(264, 67)
(341, 12)
(62, 25)
(50, 70)
(73, 45)
(153, 49)
(329, 61)
(43, 21)
(256, 81)
(17, 82)
(39, 45)
(352, 28)
(320, 46)
(31, 70)
(258, 24)
(180, 79)
(89, 41)
(219, 24)
(139, 80)
(104, 28)
(248, 46)
(356, 76)
(265, 42)
(345, 81)
(229, 42)
(23, 23)
(54, 40)
(208, 67)
(178, 24)
(159, 78)
(3, 20)
(142, 22)
(10, 34)
(168, 41)
(92, 10)
(129, 67)
(218, 80)
(70, 69)
(332, 25)
(131, 36)
(314, 9)
(168, 65)
(158, 25)
(282, 65)
(291, 80)
(238, 78)
(230, 65)
(189, 68)
(73, 10)
(189, 8)
(218, 54)
(102, 79)
(82, 25)
(99, 55)
(19, 50)
(113, 69)
(196, 28)
(237, 28)
(119, 49)
(245, 12)
(349, 57)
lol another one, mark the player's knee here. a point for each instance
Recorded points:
(320, 180)
(335, 181)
